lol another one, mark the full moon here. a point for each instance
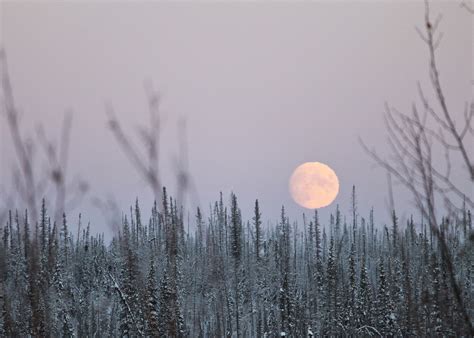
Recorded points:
(314, 185)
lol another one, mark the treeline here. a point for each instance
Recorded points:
(230, 278)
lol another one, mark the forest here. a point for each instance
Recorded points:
(229, 277)
(179, 272)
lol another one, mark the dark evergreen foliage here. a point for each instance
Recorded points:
(232, 278)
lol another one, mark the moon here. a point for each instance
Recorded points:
(314, 185)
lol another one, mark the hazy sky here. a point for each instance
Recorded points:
(263, 87)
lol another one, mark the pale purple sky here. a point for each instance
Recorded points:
(264, 87)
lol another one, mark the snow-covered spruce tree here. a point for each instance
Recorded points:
(270, 285)
(364, 292)
(151, 314)
(385, 314)
(330, 292)
(286, 294)
(236, 253)
(350, 319)
(258, 283)
(199, 232)
(408, 315)
(170, 313)
(436, 323)
(318, 276)
(399, 288)
(130, 310)
(257, 222)
(6, 321)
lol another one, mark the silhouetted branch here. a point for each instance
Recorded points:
(30, 182)
(412, 147)
(148, 165)
(467, 7)
(435, 80)
(23, 148)
(185, 182)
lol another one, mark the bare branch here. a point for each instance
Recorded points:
(23, 148)
(467, 7)
(147, 167)
(411, 144)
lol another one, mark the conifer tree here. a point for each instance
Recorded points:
(352, 292)
(331, 291)
(152, 280)
(394, 231)
(199, 230)
(170, 313)
(385, 312)
(258, 230)
(364, 306)
(236, 250)
(152, 320)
